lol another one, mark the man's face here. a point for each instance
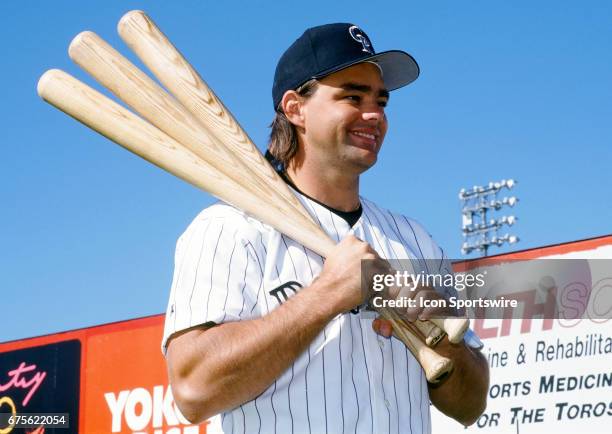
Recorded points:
(344, 121)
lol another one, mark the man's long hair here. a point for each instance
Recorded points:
(283, 143)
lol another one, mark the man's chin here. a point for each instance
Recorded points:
(365, 162)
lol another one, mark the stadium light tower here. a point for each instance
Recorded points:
(479, 230)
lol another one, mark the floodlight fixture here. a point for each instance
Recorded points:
(479, 231)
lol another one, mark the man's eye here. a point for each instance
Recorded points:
(382, 103)
(355, 98)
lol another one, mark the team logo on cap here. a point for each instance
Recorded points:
(360, 36)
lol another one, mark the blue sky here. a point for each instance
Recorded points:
(517, 90)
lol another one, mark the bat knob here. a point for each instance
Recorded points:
(436, 372)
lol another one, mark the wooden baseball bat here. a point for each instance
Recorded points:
(133, 133)
(153, 103)
(171, 68)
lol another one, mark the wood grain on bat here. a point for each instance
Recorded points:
(135, 134)
(172, 69)
(146, 97)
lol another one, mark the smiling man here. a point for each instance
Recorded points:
(270, 336)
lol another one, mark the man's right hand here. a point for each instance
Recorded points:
(342, 273)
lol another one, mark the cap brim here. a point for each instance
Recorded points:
(399, 68)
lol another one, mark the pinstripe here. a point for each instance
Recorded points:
(324, 380)
(258, 414)
(265, 297)
(212, 267)
(243, 419)
(273, 409)
(246, 267)
(308, 351)
(195, 278)
(254, 253)
(404, 241)
(180, 273)
(382, 228)
(295, 274)
(399, 232)
(339, 339)
(441, 259)
(229, 273)
(275, 382)
(353, 375)
(395, 389)
(421, 406)
(417, 243)
(341, 376)
(313, 211)
(223, 417)
(261, 281)
(409, 391)
(382, 387)
(365, 361)
(385, 217)
(424, 402)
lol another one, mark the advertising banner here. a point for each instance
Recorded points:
(127, 386)
(41, 384)
(551, 374)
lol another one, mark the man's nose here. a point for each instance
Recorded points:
(376, 114)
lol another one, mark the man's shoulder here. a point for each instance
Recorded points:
(221, 210)
(225, 215)
(409, 230)
(393, 218)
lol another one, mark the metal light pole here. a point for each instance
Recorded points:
(478, 203)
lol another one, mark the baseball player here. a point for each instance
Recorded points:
(267, 334)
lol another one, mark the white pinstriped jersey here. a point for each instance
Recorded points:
(230, 267)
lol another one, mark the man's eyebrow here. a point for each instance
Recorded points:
(384, 93)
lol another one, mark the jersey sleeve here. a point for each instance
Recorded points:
(216, 274)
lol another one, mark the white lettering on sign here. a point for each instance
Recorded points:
(116, 407)
(140, 408)
(139, 400)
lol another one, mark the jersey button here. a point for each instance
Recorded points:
(387, 404)
(381, 343)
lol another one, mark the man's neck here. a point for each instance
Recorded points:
(336, 190)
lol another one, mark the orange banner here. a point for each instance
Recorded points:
(127, 387)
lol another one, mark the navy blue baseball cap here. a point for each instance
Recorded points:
(326, 49)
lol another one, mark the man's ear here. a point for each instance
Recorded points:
(292, 105)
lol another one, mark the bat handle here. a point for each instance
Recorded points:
(455, 327)
(435, 366)
(431, 332)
